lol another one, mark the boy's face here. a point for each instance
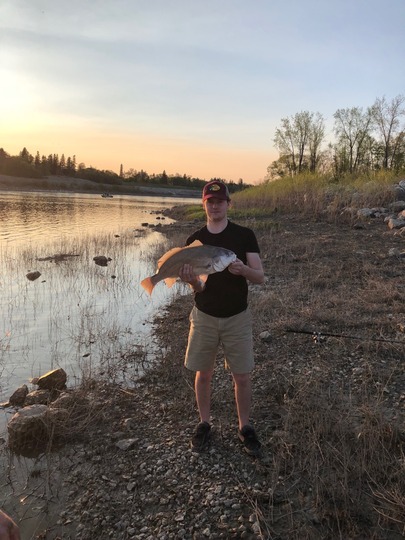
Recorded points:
(215, 209)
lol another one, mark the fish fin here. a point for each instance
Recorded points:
(196, 243)
(148, 285)
(174, 250)
(170, 281)
(168, 254)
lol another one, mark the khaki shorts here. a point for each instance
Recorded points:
(207, 333)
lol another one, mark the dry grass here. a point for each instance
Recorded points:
(337, 467)
(340, 453)
(319, 196)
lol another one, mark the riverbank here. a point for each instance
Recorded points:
(62, 184)
(329, 410)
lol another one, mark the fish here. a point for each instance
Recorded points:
(204, 259)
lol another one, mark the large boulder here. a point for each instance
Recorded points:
(28, 430)
(34, 429)
(53, 380)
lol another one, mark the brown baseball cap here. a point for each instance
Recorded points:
(216, 189)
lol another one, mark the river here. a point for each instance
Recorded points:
(78, 315)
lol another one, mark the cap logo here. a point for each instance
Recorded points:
(215, 187)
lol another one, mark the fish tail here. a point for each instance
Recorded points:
(148, 284)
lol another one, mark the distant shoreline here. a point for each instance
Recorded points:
(62, 184)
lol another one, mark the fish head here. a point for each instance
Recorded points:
(223, 259)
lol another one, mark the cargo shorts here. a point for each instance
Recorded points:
(207, 333)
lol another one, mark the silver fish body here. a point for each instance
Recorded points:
(204, 259)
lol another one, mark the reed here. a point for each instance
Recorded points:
(317, 196)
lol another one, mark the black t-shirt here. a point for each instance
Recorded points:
(225, 294)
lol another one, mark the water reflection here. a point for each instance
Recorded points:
(37, 216)
(77, 315)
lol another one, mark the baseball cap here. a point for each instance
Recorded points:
(216, 189)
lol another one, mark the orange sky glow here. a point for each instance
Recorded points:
(195, 88)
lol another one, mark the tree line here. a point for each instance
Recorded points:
(365, 140)
(29, 166)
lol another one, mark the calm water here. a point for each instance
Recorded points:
(77, 315)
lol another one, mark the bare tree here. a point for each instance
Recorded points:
(352, 128)
(316, 136)
(302, 131)
(387, 117)
(284, 141)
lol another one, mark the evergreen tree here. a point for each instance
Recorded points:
(37, 161)
(26, 156)
(62, 164)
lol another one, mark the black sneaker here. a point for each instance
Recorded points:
(201, 437)
(250, 441)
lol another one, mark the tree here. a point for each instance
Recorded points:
(62, 164)
(387, 116)
(303, 131)
(316, 136)
(44, 165)
(3, 158)
(37, 161)
(278, 169)
(26, 156)
(353, 129)
(164, 179)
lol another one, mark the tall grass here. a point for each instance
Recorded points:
(317, 195)
(311, 195)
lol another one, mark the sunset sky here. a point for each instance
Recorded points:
(187, 86)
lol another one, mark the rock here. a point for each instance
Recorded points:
(33, 428)
(70, 414)
(102, 260)
(394, 252)
(32, 276)
(18, 397)
(70, 402)
(400, 190)
(28, 430)
(397, 206)
(53, 380)
(365, 212)
(126, 444)
(265, 336)
(41, 397)
(129, 423)
(394, 223)
(60, 423)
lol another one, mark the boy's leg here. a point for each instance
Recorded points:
(243, 397)
(202, 386)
